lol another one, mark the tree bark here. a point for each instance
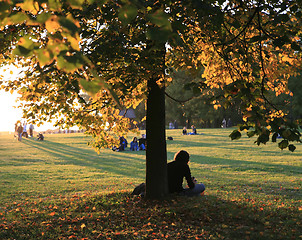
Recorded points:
(156, 155)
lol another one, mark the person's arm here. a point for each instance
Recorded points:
(188, 177)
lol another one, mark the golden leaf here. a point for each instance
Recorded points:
(74, 42)
(52, 24)
(29, 5)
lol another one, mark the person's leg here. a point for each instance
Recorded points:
(197, 190)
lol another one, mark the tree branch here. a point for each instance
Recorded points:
(263, 67)
(243, 30)
(178, 101)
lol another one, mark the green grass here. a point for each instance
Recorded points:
(62, 189)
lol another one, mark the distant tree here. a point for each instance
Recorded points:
(178, 96)
(184, 101)
(295, 102)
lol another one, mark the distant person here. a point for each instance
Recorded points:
(16, 129)
(184, 131)
(25, 134)
(40, 137)
(187, 123)
(122, 145)
(134, 145)
(171, 125)
(175, 125)
(16, 126)
(229, 123)
(31, 130)
(19, 131)
(142, 142)
(224, 123)
(194, 131)
(177, 171)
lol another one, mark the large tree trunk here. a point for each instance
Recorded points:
(156, 155)
(156, 152)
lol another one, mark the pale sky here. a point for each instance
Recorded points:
(8, 114)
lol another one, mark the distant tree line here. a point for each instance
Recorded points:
(185, 104)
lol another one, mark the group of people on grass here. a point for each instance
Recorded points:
(135, 144)
(21, 131)
(141, 143)
(193, 132)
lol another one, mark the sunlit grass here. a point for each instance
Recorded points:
(252, 192)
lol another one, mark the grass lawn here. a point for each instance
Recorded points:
(62, 189)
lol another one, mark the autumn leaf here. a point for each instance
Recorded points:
(29, 5)
(52, 24)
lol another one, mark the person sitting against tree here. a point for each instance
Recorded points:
(134, 145)
(179, 169)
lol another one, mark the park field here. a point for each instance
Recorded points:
(61, 188)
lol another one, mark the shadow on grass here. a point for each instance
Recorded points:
(240, 165)
(237, 165)
(228, 144)
(114, 162)
(121, 216)
(218, 144)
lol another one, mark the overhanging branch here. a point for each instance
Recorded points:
(178, 101)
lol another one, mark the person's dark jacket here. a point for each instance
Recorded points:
(177, 170)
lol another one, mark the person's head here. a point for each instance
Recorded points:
(182, 156)
(135, 139)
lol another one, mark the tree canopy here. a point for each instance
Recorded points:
(122, 52)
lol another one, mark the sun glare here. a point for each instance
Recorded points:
(10, 114)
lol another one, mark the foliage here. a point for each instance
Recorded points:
(248, 63)
(110, 49)
(60, 189)
(121, 52)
